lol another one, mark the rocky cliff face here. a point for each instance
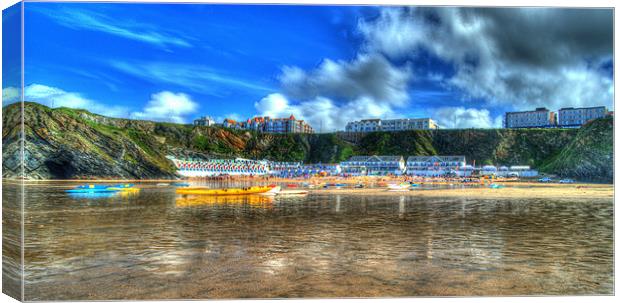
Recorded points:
(66, 144)
(69, 144)
(589, 156)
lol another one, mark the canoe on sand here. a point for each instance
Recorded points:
(292, 192)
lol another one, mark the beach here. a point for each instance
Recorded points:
(377, 186)
(512, 190)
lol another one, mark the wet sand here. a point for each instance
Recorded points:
(512, 190)
(349, 242)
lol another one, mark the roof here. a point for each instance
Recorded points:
(436, 159)
(375, 158)
(406, 119)
(576, 108)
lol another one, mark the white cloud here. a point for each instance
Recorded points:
(520, 57)
(196, 77)
(9, 95)
(539, 58)
(322, 113)
(167, 106)
(460, 117)
(336, 92)
(56, 97)
(392, 35)
(163, 106)
(96, 21)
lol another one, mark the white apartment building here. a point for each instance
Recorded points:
(204, 121)
(579, 116)
(373, 125)
(541, 117)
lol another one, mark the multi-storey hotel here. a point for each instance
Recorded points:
(541, 117)
(573, 117)
(271, 125)
(566, 117)
(372, 125)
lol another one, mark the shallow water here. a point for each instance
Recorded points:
(156, 244)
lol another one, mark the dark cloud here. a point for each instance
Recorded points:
(549, 37)
(369, 76)
(522, 56)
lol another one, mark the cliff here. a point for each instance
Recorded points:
(66, 143)
(485, 146)
(590, 155)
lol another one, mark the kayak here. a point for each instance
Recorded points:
(93, 195)
(180, 184)
(292, 192)
(224, 191)
(124, 187)
(90, 190)
(335, 185)
(274, 191)
(398, 186)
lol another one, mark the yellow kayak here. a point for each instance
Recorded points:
(223, 191)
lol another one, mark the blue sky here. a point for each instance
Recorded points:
(325, 64)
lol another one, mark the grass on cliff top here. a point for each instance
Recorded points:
(594, 141)
(140, 139)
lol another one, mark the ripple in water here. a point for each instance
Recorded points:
(159, 245)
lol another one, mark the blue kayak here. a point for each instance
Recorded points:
(91, 186)
(91, 190)
(93, 195)
(180, 184)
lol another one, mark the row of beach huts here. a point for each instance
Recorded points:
(426, 166)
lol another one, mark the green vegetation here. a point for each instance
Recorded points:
(589, 156)
(85, 144)
(485, 146)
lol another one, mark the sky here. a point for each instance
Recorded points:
(328, 65)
